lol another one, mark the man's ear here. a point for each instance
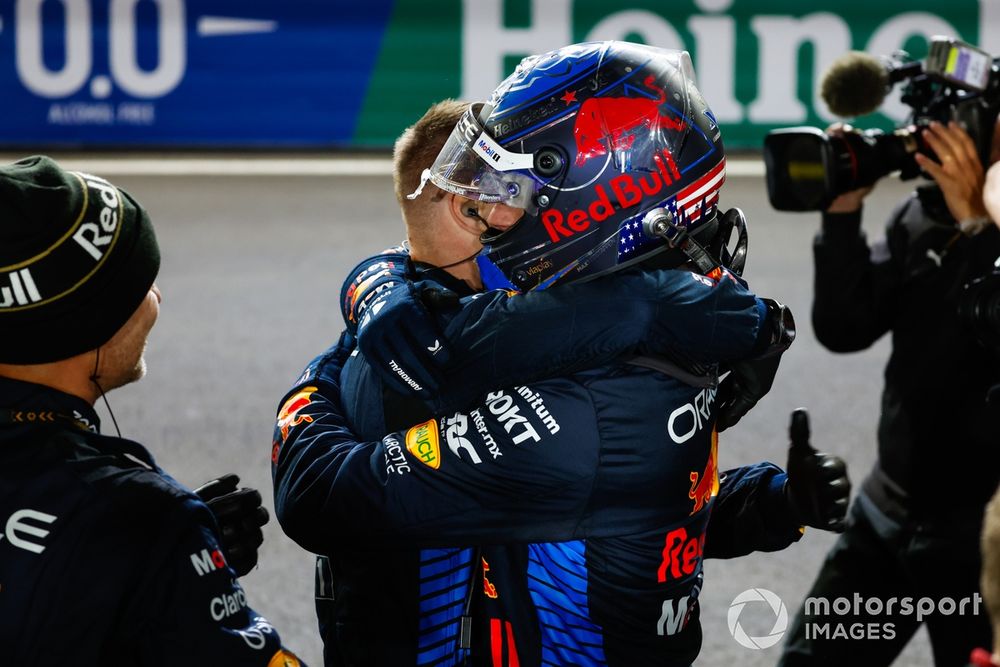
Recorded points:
(465, 214)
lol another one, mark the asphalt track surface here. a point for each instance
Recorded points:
(252, 266)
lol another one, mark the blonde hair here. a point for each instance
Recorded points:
(415, 150)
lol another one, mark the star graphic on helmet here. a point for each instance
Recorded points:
(569, 97)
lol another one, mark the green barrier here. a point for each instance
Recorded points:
(759, 62)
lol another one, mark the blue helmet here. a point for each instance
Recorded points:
(588, 139)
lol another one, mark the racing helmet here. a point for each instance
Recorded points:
(588, 139)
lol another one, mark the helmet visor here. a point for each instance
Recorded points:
(473, 165)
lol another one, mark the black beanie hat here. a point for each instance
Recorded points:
(77, 257)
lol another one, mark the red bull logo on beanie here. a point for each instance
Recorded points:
(96, 230)
(96, 236)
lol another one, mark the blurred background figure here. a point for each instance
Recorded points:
(991, 582)
(991, 193)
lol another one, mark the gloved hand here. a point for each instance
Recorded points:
(747, 382)
(818, 488)
(751, 379)
(240, 515)
(400, 339)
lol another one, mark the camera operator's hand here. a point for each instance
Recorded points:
(818, 487)
(848, 202)
(240, 515)
(958, 170)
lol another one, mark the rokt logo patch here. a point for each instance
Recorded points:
(422, 442)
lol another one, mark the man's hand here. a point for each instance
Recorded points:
(818, 488)
(240, 515)
(958, 171)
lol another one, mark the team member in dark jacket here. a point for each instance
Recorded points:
(916, 521)
(104, 558)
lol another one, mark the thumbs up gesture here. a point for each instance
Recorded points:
(818, 488)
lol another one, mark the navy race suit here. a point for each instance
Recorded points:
(104, 558)
(557, 460)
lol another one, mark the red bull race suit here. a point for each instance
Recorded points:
(587, 497)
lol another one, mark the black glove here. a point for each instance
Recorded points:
(818, 488)
(747, 383)
(750, 380)
(399, 337)
(240, 515)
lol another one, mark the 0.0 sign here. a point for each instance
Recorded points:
(76, 70)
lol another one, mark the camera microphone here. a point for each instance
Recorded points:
(855, 84)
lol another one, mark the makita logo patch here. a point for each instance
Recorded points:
(626, 190)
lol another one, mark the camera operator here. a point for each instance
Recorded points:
(914, 527)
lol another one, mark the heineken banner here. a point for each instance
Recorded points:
(349, 74)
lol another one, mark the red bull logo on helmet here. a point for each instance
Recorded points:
(626, 190)
(629, 190)
(604, 123)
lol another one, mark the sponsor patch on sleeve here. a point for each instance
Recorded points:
(289, 417)
(284, 658)
(422, 442)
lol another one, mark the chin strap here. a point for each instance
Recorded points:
(717, 252)
(100, 389)
(660, 222)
